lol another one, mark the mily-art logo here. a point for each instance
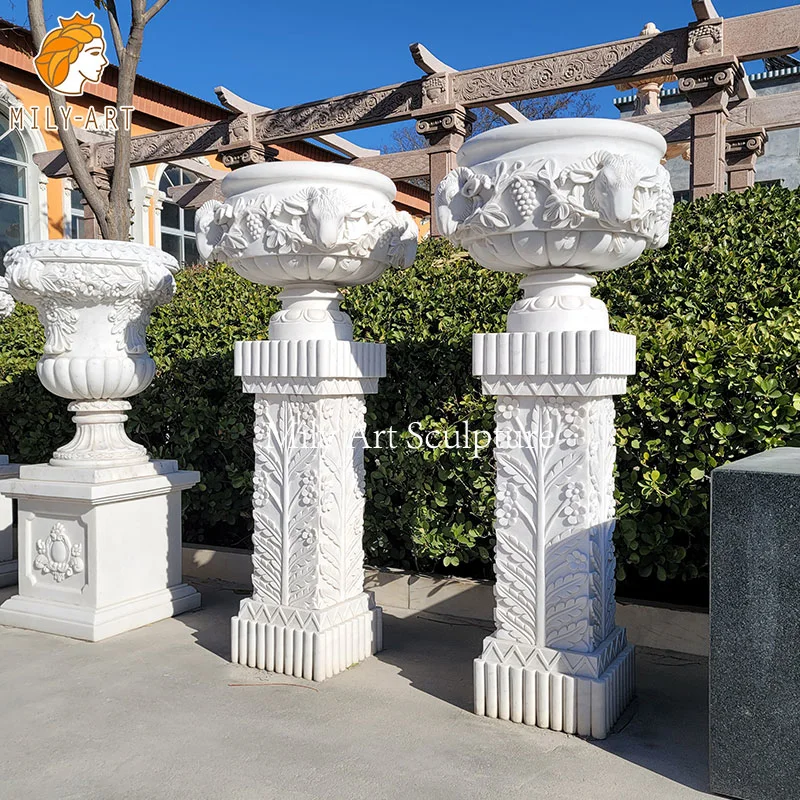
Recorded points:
(72, 55)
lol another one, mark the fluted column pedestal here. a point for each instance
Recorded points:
(8, 560)
(309, 615)
(557, 659)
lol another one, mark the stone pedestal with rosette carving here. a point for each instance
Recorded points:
(310, 228)
(8, 561)
(556, 200)
(100, 524)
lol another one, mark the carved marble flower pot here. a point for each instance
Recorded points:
(556, 200)
(310, 228)
(8, 563)
(100, 525)
(94, 299)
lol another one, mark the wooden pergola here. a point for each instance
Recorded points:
(726, 126)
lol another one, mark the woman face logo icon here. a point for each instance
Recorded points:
(72, 54)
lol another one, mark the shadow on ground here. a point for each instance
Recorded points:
(664, 730)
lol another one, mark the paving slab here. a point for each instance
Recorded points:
(161, 713)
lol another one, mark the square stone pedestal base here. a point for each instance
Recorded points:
(579, 693)
(8, 562)
(99, 550)
(310, 644)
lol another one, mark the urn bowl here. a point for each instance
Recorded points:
(94, 299)
(580, 194)
(285, 224)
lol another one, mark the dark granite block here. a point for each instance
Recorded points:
(755, 627)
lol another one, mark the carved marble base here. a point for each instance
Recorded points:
(309, 615)
(8, 561)
(99, 550)
(576, 693)
(95, 624)
(558, 659)
(314, 645)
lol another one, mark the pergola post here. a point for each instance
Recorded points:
(742, 150)
(445, 126)
(708, 79)
(91, 227)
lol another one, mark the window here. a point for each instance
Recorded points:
(76, 224)
(177, 224)
(13, 188)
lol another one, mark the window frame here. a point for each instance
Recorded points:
(23, 201)
(182, 233)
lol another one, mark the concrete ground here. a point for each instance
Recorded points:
(161, 713)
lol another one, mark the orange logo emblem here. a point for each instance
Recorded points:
(72, 55)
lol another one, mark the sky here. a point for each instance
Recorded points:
(284, 53)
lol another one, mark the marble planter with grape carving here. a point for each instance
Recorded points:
(556, 200)
(99, 534)
(8, 561)
(311, 229)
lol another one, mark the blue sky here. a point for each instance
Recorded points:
(284, 53)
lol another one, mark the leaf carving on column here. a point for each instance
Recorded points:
(515, 611)
(601, 474)
(342, 520)
(267, 501)
(285, 493)
(568, 591)
(515, 560)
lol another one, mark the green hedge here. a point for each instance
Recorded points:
(715, 315)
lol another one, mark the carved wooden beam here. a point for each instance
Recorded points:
(574, 70)
(768, 33)
(150, 148)
(430, 65)
(365, 109)
(234, 102)
(749, 37)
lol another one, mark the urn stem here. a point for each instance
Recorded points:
(558, 300)
(100, 439)
(311, 311)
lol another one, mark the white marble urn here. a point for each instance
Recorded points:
(94, 299)
(557, 199)
(309, 228)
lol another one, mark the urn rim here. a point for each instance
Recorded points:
(96, 251)
(503, 141)
(260, 176)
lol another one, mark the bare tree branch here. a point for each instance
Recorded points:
(138, 11)
(154, 9)
(72, 149)
(116, 33)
